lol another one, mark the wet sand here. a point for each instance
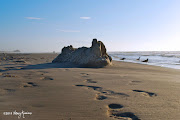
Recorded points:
(126, 91)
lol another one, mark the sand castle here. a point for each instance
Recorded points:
(95, 56)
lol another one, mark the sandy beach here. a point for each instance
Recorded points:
(126, 91)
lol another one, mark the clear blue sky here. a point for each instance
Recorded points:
(123, 25)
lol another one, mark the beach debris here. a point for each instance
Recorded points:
(8, 75)
(145, 60)
(95, 56)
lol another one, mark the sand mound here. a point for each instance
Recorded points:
(95, 56)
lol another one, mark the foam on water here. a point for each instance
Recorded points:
(164, 59)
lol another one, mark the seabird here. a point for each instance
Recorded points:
(123, 58)
(145, 60)
(138, 58)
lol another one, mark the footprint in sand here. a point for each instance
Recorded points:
(100, 97)
(20, 61)
(10, 90)
(9, 68)
(114, 110)
(105, 92)
(84, 74)
(135, 82)
(145, 93)
(46, 78)
(90, 81)
(42, 72)
(30, 84)
(112, 93)
(96, 88)
(19, 68)
(115, 106)
(5, 91)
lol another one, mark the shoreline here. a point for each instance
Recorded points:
(168, 59)
(141, 63)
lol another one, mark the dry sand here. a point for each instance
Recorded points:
(125, 91)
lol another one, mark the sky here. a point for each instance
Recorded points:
(122, 25)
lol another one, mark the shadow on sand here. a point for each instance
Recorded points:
(45, 66)
(51, 65)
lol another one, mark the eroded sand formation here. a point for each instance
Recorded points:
(95, 56)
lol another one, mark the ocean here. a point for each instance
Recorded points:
(170, 59)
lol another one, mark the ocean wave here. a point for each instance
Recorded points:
(165, 59)
(166, 55)
(163, 55)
